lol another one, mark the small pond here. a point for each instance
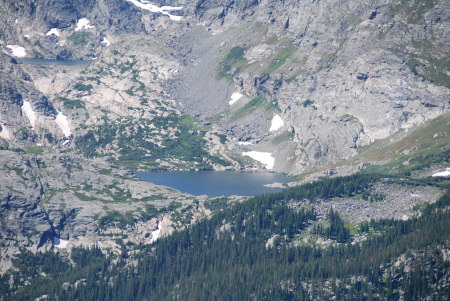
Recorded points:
(217, 183)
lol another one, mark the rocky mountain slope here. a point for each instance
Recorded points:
(312, 88)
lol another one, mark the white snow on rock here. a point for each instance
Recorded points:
(106, 42)
(234, 98)
(244, 143)
(157, 233)
(263, 157)
(277, 123)
(164, 10)
(28, 110)
(17, 51)
(445, 173)
(83, 23)
(54, 31)
(5, 133)
(61, 121)
(60, 243)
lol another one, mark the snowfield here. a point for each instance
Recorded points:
(83, 24)
(60, 243)
(61, 121)
(5, 133)
(445, 173)
(31, 115)
(17, 51)
(277, 123)
(157, 233)
(263, 157)
(164, 10)
(53, 31)
(106, 42)
(234, 98)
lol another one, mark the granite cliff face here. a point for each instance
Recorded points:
(340, 78)
(200, 84)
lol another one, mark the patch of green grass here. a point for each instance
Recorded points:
(106, 172)
(283, 137)
(307, 103)
(414, 10)
(83, 87)
(248, 108)
(299, 67)
(271, 105)
(83, 197)
(71, 103)
(80, 37)
(233, 62)
(420, 149)
(35, 150)
(431, 69)
(279, 61)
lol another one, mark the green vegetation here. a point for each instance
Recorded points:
(430, 143)
(83, 87)
(207, 261)
(307, 103)
(80, 37)
(73, 103)
(117, 219)
(176, 139)
(233, 62)
(283, 137)
(25, 134)
(279, 61)
(35, 150)
(413, 10)
(430, 69)
(248, 108)
(111, 193)
(336, 231)
(217, 204)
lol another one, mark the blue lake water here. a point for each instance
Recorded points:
(217, 183)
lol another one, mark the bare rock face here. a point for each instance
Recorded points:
(343, 74)
(339, 75)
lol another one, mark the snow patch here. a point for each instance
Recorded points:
(277, 123)
(157, 233)
(244, 143)
(54, 31)
(5, 133)
(234, 98)
(263, 157)
(17, 51)
(106, 42)
(61, 121)
(26, 36)
(164, 10)
(60, 243)
(445, 173)
(28, 110)
(83, 23)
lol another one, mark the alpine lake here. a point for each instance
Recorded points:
(218, 183)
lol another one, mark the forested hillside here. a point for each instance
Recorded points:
(252, 251)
